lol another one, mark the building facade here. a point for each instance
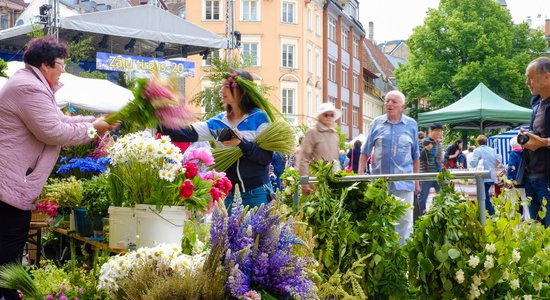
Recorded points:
(10, 10)
(342, 63)
(280, 41)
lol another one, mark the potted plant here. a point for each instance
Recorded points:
(96, 201)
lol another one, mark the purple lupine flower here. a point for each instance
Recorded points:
(237, 282)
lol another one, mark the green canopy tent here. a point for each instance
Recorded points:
(480, 109)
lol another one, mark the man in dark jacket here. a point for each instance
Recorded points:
(536, 149)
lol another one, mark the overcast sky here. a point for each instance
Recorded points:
(395, 19)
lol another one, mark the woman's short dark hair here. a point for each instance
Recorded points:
(44, 50)
(357, 144)
(245, 104)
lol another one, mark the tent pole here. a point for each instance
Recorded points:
(481, 127)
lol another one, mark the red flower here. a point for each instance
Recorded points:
(224, 184)
(191, 169)
(186, 189)
(216, 193)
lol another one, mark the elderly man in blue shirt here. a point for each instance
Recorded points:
(393, 143)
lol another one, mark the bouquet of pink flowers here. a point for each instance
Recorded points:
(189, 187)
(154, 104)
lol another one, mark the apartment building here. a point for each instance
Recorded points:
(10, 10)
(343, 64)
(282, 40)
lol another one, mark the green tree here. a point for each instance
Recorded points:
(209, 98)
(462, 43)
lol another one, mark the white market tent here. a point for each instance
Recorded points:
(148, 25)
(97, 95)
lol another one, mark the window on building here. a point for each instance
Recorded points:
(317, 24)
(332, 100)
(331, 69)
(355, 83)
(345, 34)
(355, 47)
(212, 9)
(249, 10)
(309, 19)
(288, 101)
(344, 109)
(318, 62)
(352, 10)
(181, 12)
(289, 56)
(250, 53)
(355, 117)
(4, 21)
(214, 54)
(309, 60)
(332, 29)
(288, 12)
(345, 72)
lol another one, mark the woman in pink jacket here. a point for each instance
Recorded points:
(32, 131)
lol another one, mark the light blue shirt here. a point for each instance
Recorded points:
(490, 158)
(394, 148)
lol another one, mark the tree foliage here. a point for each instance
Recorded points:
(209, 98)
(465, 42)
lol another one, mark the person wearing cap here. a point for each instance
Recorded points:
(321, 142)
(393, 142)
(430, 162)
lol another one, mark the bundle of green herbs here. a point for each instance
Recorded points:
(357, 247)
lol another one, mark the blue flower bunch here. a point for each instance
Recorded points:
(83, 167)
(258, 259)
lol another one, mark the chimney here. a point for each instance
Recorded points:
(547, 28)
(371, 30)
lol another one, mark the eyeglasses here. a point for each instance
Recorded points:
(326, 115)
(61, 64)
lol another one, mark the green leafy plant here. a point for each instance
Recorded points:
(356, 245)
(67, 192)
(95, 196)
(442, 241)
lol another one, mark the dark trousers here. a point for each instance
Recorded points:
(14, 231)
(537, 189)
(488, 203)
(422, 198)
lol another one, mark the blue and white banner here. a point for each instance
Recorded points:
(140, 64)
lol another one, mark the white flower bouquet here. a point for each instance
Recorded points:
(138, 159)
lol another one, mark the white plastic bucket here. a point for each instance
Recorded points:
(155, 227)
(122, 227)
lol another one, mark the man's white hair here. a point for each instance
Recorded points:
(395, 93)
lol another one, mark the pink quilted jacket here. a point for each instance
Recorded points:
(32, 131)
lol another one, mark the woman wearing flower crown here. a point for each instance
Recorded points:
(245, 118)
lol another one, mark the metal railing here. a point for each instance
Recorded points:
(477, 175)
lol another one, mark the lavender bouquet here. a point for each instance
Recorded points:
(256, 250)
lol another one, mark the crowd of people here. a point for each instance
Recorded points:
(33, 129)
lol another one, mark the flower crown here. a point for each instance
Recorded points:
(251, 89)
